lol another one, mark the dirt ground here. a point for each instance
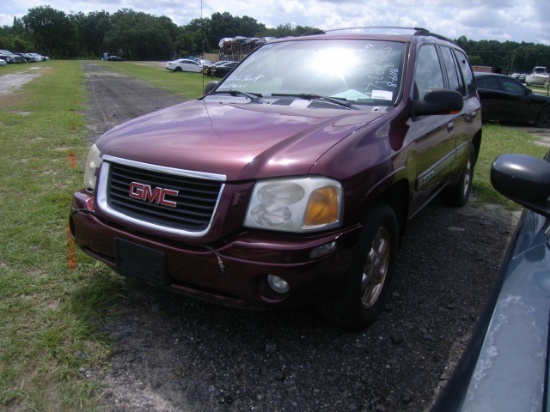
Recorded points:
(13, 81)
(173, 353)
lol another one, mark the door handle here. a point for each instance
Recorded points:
(472, 115)
(450, 126)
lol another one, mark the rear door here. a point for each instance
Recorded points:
(468, 122)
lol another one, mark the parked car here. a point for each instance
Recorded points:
(19, 57)
(203, 62)
(506, 100)
(3, 62)
(208, 69)
(30, 58)
(519, 76)
(13, 57)
(35, 57)
(114, 58)
(184, 65)
(223, 69)
(505, 365)
(7, 56)
(291, 182)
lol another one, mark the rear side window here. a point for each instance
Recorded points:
(453, 72)
(428, 74)
(466, 70)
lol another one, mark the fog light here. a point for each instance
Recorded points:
(322, 250)
(277, 284)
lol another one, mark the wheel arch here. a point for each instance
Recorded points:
(544, 111)
(476, 142)
(397, 197)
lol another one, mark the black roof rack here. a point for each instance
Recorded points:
(417, 31)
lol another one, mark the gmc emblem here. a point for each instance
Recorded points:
(157, 195)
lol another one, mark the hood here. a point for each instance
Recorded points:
(241, 141)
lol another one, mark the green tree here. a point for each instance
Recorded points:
(510, 56)
(188, 43)
(202, 34)
(142, 36)
(91, 31)
(51, 30)
(139, 36)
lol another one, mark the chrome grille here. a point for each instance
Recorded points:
(195, 203)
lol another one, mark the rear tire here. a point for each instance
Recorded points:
(543, 121)
(369, 277)
(459, 194)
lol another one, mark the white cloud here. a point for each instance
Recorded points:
(500, 20)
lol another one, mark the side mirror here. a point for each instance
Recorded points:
(438, 101)
(523, 179)
(210, 86)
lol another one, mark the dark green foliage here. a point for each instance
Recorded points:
(141, 36)
(508, 56)
(51, 30)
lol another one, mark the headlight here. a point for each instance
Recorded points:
(93, 162)
(295, 205)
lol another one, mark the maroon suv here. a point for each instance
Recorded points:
(291, 181)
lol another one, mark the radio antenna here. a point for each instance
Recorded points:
(202, 33)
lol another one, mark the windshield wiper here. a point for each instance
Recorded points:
(255, 97)
(340, 101)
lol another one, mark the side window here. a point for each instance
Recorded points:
(428, 72)
(466, 71)
(453, 72)
(488, 83)
(511, 86)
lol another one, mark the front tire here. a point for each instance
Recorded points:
(369, 277)
(543, 121)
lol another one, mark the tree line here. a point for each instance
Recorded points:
(133, 35)
(140, 36)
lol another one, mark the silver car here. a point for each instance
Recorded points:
(505, 366)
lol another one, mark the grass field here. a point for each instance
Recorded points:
(49, 306)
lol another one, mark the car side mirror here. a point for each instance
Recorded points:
(210, 86)
(438, 101)
(523, 179)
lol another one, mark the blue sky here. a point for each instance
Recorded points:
(502, 20)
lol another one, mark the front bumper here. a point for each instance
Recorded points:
(232, 272)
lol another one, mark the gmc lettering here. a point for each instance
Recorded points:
(157, 195)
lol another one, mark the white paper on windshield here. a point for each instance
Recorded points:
(351, 94)
(381, 95)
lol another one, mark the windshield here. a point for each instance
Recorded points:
(358, 71)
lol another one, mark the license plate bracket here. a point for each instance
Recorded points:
(142, 262)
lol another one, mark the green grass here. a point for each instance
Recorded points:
(544, 90)
(496, 140)
(48, 310)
